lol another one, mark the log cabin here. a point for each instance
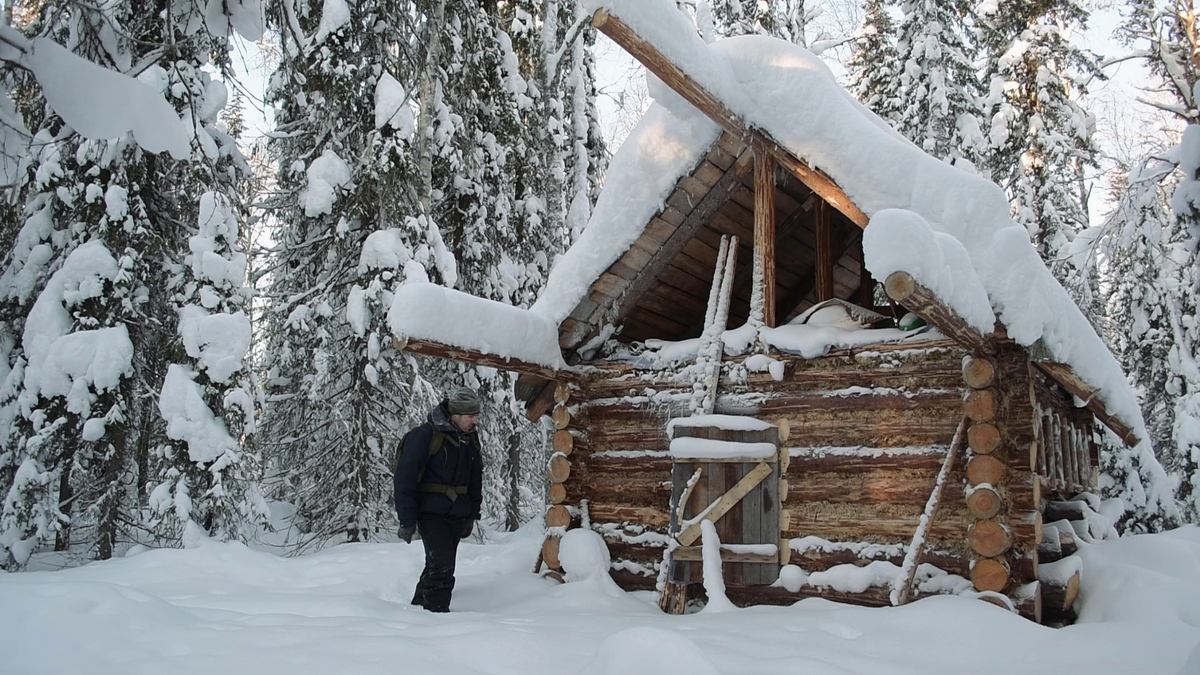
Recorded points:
(865, 465)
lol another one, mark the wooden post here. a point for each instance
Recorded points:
(824, 252)
(764, 228)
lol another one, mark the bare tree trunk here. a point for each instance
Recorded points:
(512, 469)
(428, 82)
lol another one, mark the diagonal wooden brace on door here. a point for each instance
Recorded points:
(727, 501)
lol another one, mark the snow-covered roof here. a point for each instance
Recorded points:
(789, 94)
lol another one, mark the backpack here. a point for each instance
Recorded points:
(435, 446)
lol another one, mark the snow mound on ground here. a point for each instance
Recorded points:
(583, 555)
(649, 651)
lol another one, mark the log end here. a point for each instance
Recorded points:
(600, 17)
(560, 469)
(558, 516)
(985, 469)
(990, 574)
(550, 553)
(979, 373)
(984, 503)
(989, 538)
(983, 438)
(900, 286)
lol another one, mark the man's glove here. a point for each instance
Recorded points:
(405, 532)
(468, 528)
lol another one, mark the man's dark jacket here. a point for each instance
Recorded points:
(459, 463)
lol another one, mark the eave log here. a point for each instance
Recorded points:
(658, 63)
(1062, 374)
(441, 351)
(904, 289)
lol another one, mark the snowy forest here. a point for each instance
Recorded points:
(193, 321)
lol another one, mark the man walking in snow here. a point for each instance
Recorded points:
(439, 490)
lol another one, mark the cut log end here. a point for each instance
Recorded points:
(562, 417)
(985, 469)
(562, 392)
(981, 405)
(990, 574)
(979, 373)
(558, 516)
(564, 442)
(899, 286)
(989, 538)
(984, 503)
(983, 438)
(558, 493)
(550, 553)
(560, 469)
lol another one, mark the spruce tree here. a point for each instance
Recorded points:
(939, 108)
(91, 280)
(1040, 136)
(1155, 250)
(875, 66)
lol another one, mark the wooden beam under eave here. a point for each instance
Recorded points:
(1065, 376)
(662, 67)
(764, 228)
(919, 300)
(825, 259)
(441, 351)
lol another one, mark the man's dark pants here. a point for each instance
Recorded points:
(440, 535)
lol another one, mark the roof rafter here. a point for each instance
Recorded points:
(662, 67)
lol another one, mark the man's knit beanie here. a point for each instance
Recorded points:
(463, 401)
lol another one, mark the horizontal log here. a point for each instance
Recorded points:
(1028, 601)
(746, 596)
(1065, 510)
(634, 489)
(631, 581)
(597, 464)
(864, 522)
(870, 486)
(558, 493)
(1058, 599)
(441, 351)
(649, 516)
(818, 560)
(1026, 527)
(904, 289)
(696, 553)
(639, 553)
(806, 461)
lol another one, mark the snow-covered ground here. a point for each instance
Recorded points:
(224, 608)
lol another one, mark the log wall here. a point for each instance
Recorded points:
(869, 429)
